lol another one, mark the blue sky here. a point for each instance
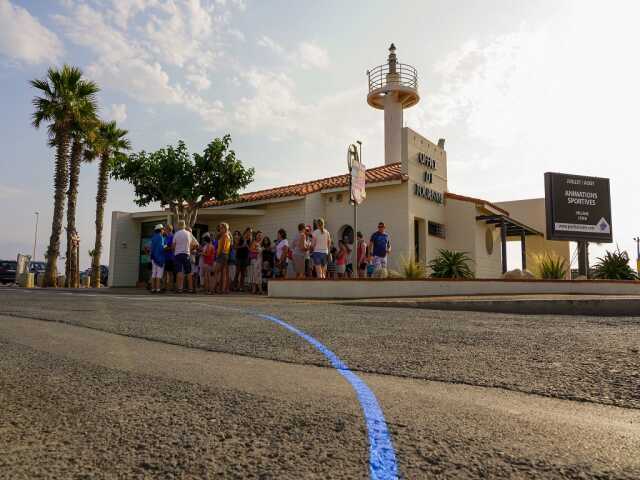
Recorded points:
(516, 88)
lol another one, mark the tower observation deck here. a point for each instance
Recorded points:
(393, 87)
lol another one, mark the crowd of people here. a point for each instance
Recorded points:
(225, 261)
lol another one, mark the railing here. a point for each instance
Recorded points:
(405, 76)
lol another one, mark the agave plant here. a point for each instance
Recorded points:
(550, 266)
(451, 264)
(614, 266)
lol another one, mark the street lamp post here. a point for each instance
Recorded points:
(35, 237)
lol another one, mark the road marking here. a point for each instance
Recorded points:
(382, 456)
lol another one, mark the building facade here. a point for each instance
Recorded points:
(410, 193)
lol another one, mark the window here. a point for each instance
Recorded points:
(437, 230)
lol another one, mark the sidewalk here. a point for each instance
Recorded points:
(593, 305)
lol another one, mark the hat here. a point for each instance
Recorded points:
(159, 227)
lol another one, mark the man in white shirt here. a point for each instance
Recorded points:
(182, 243)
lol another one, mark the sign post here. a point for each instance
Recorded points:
(578, 209)
(357, 190)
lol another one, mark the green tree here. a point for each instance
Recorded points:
(65, 98)
(185, 183)
(107, 144)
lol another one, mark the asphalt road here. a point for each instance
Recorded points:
(130, 386)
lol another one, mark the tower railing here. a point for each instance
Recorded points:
(405, 76)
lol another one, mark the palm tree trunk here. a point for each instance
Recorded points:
(60, 185)
(101, 199)
(71, 265)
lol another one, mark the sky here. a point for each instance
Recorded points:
(516, 88)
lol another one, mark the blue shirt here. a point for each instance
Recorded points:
(168, 254)
(157, 249)
(380, 244)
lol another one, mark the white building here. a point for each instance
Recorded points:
(410, 193)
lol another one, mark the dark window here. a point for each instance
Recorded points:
(437, 230)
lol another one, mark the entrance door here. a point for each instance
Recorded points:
(416, 239)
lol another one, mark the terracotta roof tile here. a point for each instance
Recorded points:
(384, 173)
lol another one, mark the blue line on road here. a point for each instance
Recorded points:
(382, 456)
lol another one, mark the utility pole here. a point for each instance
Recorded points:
(637, 240)
(35, 237)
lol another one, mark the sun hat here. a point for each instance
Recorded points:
(159, 227)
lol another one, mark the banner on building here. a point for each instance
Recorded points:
(358, 181)
(578, 208)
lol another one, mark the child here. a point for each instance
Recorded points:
(255, 263)
(341, 258)
(208, 258)
(331, 263)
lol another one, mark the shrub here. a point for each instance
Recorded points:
(410, 269)
(614, 266)
(550, 266)
(451, 264)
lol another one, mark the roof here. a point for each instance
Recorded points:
(385, 173)
(478, 201)
(513, 227)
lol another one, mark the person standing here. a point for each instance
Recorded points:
(222, 259)
(182, 242)
(282, 253)
(361, 253)
(255, 266)
(300, 247)
(341, 259)
(169, 259)
(380, 247)
(320, 243)
(157, 258)
(208, 257)
(242, 259)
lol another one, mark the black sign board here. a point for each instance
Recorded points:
(578, 208)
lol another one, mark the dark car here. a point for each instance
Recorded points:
(104, 274)
(37, 267)
(8, 271)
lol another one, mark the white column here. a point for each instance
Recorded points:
(392, 129)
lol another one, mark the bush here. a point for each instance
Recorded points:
(550, 266)
(410, 269)
(451, 264)
(614, 266)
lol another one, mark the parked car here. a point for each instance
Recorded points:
(8, 271)
(104, 274)
(37, 267)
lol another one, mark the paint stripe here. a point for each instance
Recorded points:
(382, 456)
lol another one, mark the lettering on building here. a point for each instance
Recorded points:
(425, 192)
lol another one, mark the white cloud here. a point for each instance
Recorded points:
(24, 38)
(117, 112)
(271, 44)
(306, 55)
(8, 192)
(199, 82)
(312, 56)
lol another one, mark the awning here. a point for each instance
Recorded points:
(510, 228)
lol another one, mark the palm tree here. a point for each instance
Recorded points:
(108, 143)
(65, 98)
(80, 131)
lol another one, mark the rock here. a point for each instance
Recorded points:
(516, 273)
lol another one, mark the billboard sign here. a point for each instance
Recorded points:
(578, 208)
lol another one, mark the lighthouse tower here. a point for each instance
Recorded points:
(393, 87)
